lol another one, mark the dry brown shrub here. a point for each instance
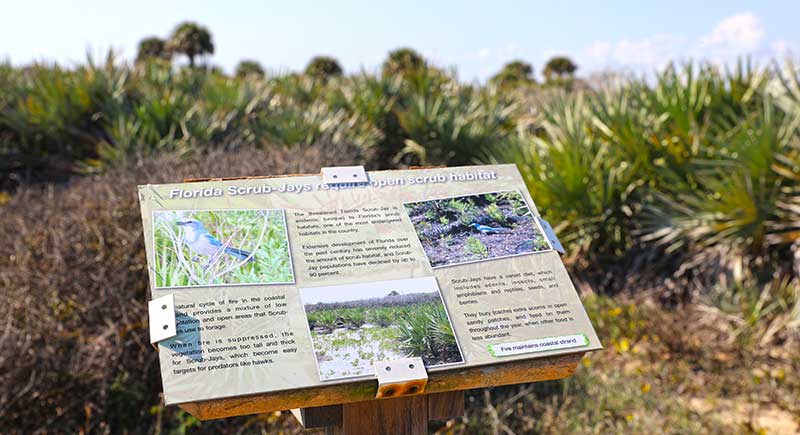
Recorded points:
(74, 350)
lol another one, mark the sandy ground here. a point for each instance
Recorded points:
(522, 238)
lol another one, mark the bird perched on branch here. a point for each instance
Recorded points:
(201, 242)
(485, 229)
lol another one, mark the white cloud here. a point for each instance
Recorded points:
(652, 52)
(641, 54)
(599, 51)
(509, 50)
(783, 49)
(501, 54)
(740, 33)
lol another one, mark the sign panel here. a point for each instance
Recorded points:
(292, 282)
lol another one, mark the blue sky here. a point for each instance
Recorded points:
(476, 38)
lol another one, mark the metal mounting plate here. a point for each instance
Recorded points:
(162, 318)
(550, 234)
(402, 377)
(344, 174)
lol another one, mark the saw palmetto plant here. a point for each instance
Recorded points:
(686, 179)
(739, 207)
(693, 161)
(698, 161)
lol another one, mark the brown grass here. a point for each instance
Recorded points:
(672, 370)
(74, 351)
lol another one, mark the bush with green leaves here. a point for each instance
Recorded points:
(191, 39)
(476, 248)
(402, 61)
(426, 332)
(515, 73)
(696, 174)
(323, 68)
(152, 48)
(249, 68)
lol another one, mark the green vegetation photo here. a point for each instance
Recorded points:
(260, 232)
(349, 336)
(475, 227)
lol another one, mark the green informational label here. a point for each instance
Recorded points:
(538, 345)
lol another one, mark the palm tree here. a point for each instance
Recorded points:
(323, 67)
(192, 40)
(401, 61)
(560, 67)
(247, 68)
(152, 48)
(513, 74)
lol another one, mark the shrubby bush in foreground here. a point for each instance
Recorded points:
(74, 351)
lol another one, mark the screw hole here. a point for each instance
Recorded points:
(163, 307)
(411, 366)
(388, 369)
(389, 392)
(166, 327)
(355, 175)
(411, 390)
(335, 176)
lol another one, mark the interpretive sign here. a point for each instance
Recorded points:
(290, 282)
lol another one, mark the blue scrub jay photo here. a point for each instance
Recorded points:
(201, 242)
(485, 229)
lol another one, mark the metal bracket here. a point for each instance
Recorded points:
(402, 377)
(344, 174)
(162, 318)
(550, 234)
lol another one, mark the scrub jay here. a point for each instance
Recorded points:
(487, 229)
(203, 243)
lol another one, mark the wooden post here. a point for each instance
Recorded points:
(446, 405)
(403, 415)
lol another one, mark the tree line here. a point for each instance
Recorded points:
(194, 40)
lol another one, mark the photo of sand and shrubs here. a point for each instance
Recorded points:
(472, 228)
(354, 325)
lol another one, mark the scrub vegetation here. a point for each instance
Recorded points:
(677, 198)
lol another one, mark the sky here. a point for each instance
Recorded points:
(475, 38)
(369, 290)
